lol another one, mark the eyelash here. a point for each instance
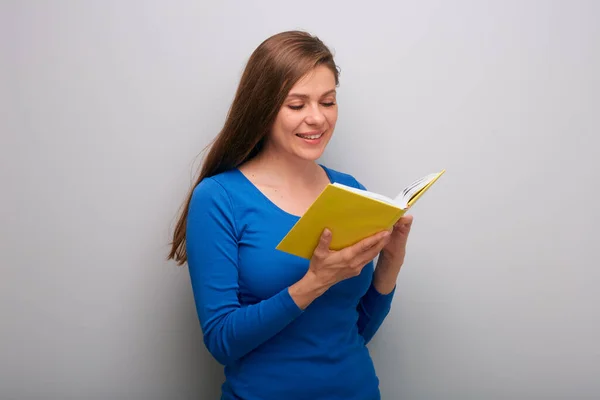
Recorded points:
(296, 108)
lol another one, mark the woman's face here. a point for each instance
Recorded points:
(307, 118)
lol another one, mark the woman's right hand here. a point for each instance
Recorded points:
(331, 267)
(328, 267)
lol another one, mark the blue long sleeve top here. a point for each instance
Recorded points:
(272, 349)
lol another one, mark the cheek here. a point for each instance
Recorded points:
(331, 116)
(289, 121)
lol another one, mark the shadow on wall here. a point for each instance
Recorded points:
(187, 369)
(205, 376)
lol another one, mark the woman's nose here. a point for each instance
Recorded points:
(315, 116)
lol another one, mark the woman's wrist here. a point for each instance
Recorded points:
(389, 260)
(386, 274)
(307, 290)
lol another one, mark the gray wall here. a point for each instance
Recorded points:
(106, 105)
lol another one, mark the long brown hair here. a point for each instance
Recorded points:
(272, 70)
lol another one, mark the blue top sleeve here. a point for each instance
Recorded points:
(230, 330)
(373, 307)
(372, 310)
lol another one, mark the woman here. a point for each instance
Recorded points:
(283, 327)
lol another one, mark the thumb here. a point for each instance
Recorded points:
(324, 241)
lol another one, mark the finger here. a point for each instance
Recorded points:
(368, 255)
(404, 222)
(405, 219)
(351, 252)
(324, 242)
(365, 245)
(370, 242)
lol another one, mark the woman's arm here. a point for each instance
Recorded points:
(374, 306)
(230, 330)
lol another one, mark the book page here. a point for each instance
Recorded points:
(413, 189)
(403, 198)
(366, 193)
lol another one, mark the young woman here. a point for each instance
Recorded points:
(283, 327)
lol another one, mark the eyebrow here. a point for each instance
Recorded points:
(305, 96)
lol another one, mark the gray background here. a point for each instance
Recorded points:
(106, 106)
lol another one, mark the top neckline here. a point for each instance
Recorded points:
(268, 200)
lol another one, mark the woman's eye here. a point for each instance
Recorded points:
(300, 106)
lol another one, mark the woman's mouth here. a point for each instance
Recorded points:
(310, 135)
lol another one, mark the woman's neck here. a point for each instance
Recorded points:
(287, 171)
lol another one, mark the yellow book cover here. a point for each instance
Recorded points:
(351, 214)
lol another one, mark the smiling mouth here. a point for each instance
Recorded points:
(311, 137)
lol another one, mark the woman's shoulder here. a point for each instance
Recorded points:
(345, 178)
(218, 187)
(216, 198)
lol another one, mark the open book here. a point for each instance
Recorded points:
(351, 214)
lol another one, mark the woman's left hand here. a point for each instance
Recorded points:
(395, 251)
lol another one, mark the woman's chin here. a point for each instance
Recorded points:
(310, 155)
(311, 152)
